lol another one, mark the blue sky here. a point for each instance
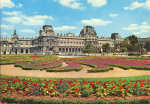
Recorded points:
(107, 16)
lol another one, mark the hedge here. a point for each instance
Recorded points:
(90, 65)
(26, 67)
(64, 70)
(5, 99)
(100, 69)
(131, 67)
(6, 63)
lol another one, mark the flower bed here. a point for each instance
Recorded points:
(75, 88)
(53, 63)
(130, 63)
(100, 64)
(38, 65)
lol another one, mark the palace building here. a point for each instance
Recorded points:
(50, 43)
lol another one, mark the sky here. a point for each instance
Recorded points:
(125, 17)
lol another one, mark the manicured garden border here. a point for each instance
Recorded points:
(64, 69)
(96, 69)
(6, 63)
(90, 65)
(5, 99)
(100, 70)
(130, 67)
(25, 67)
(50, 69)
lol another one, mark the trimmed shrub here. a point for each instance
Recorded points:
(5, 63)
(90, 65)
(100, 102)
(142, 101)
(9, 99)
(41, 101)
(100, 69)
(64, 70)
(74, 102)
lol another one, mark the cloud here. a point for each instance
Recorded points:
(147, 4)
(74, 4)
(144, 23)
(30, 31)
(97, 3)
(131, 27)
(8, 27)
(6, 4)
(136, 33)
(20, 5)
(10, 13)
(13, 19)
(113, 15)
(65, 28)
(95, 22)
(36, 20)
(16, 17)
(137, 4)
(145, 28)
(142, 28)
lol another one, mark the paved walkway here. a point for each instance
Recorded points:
(10, 70)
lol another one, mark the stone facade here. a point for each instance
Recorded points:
(143, 41)
(50, 43)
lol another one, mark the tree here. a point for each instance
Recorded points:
(124, 45)
(132, 39)
(89, 48)
(132, 44)
(106, 47)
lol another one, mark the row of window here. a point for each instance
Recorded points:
(69, 49)
(76, 42)
(70, 42)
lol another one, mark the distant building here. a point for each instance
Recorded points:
(143, 41)
(49, 42)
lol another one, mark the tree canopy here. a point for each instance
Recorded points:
(106, 47)
(131, 44)
(89, 48)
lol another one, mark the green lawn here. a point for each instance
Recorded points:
(134, 78)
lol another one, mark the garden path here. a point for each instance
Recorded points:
(10, 70)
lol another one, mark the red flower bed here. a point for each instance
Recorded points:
(74, 87)
(121, 62)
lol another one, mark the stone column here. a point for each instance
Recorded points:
(71, 49)
(29, 51)
(24, 51)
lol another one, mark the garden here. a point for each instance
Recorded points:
(34, 90)
(27, 90)
(57, 64)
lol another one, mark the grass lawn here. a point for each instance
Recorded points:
(134, 78)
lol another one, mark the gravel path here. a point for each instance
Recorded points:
(10, 70)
